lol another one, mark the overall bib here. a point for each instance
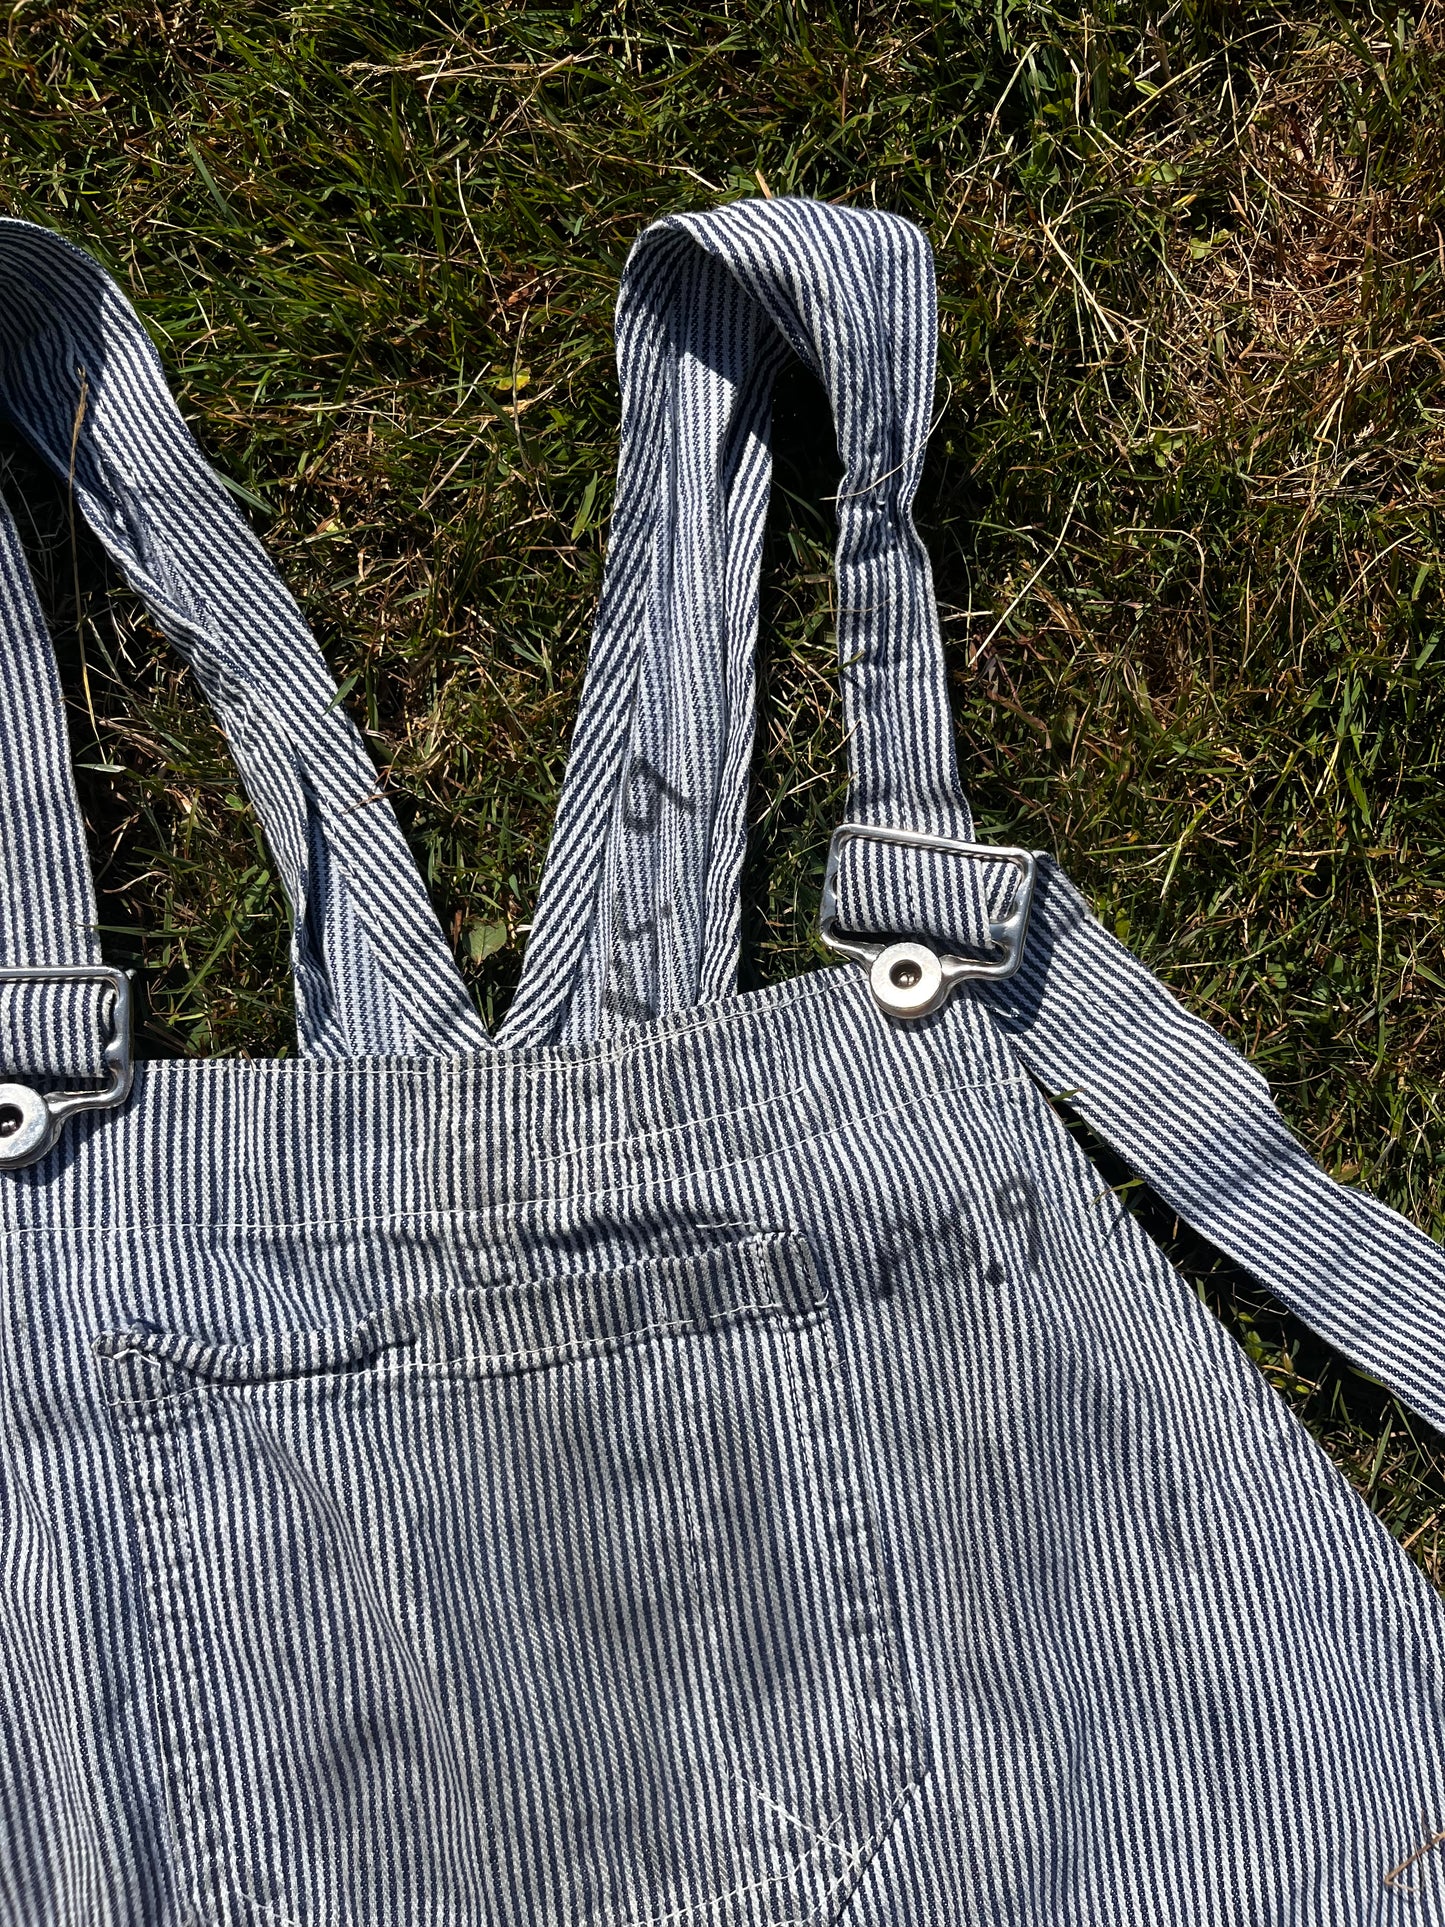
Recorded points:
(694, 1459)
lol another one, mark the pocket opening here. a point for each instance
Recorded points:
(476, 1325)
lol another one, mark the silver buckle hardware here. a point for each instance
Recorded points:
(30, 1120)
(910, 979)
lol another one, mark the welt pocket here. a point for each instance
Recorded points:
(480, 1329)
(547, 1601)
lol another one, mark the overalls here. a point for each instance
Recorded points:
(695, 1459)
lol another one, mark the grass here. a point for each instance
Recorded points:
(1183, 497)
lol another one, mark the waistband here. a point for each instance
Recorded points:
(233, 1142)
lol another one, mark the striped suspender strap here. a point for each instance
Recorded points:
(639, 913)
(640, 897)
(1196, 1121)
(81, 382)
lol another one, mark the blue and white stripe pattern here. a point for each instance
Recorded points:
(699, 1459)
(79, 378)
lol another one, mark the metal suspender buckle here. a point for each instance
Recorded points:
(911, 979)
(30, 1120)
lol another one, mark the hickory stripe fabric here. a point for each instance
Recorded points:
(699, 1459)
(1196, 1120)
(650, 835)
(81, 381)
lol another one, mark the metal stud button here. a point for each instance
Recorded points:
(26, 1125)
(907, 980)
